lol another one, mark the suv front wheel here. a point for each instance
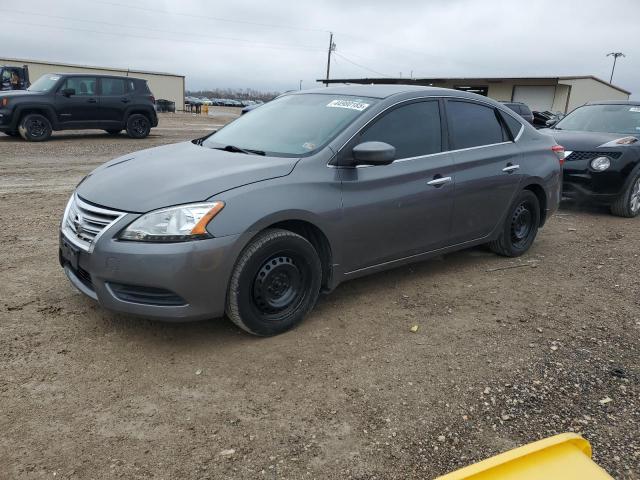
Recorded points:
(138, 126)
(520, 226)
(35, 127)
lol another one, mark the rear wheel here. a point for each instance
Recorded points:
(275, 283)
(35, 127)
(628, 204)
(520, 227)
(138, 126)
(113, 131)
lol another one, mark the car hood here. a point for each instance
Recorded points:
(581, 141)
(174, 175)
(17, 93)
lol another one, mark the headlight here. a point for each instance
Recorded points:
(600, 164)
(175, 224)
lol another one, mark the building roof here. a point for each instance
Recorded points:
(435, 80)
(74, 65)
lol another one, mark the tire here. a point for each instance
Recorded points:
(520, 226)
(34, 127)
(113, 131)
(138, 126)
(274, 284)
(628, 204)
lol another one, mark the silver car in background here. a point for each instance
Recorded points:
(310, 190)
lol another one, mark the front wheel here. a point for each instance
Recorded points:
(275, 283)
(138, 126)
(35, 128)
(520, 226)
(628, 204)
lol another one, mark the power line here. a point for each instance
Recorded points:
(361, 66)
(218, 19)
(137, 27)
(146, 37)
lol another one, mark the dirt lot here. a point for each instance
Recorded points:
(501, 357)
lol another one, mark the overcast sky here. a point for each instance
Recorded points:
(272, 45)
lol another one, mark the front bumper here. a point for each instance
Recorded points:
(581, 182)
(172, 282)
(5, 120)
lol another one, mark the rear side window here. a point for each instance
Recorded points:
(413, 129)
(113, 86)
(513, 125)
(473, 125)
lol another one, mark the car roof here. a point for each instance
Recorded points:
(614, 102)
(73, 74)
(385, 91)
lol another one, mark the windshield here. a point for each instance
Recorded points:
(603, 118)
(292, 125)
(44, 83)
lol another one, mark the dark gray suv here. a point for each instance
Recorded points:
(308, 191)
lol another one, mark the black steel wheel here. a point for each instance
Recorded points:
(35, 127)
(138, 126)
(275, 283)
(520, 227)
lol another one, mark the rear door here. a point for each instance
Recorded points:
(404, 208)
(486, 168)
(115, 96)
(81, 108)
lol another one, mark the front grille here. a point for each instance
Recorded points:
(146, 295)
(83, 221)
(591, 155)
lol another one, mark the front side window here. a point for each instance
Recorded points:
(113, 86)
(84, 86)
(292, 125)
(620, 118)
(473, 125)
(414, 130)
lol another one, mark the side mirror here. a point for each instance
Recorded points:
(374, 153)
(67, 92)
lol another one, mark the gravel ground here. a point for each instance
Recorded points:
(502, 356)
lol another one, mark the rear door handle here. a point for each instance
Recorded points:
(125, 100)
(436, 182)
(92, 100)
(511, 168)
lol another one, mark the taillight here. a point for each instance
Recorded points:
(4, 102)
(559, 151)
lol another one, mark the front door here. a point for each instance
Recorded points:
(486, 169)
(79, 107)
(402, 209)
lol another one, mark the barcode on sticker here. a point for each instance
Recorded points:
(359, 106)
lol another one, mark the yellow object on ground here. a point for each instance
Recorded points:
(205, 109)
(566, 456)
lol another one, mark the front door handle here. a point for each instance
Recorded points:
(125, 100)
(511, 168)
(437, 182)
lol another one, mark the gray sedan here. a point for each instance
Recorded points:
(310, 190)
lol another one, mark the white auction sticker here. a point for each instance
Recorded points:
(359, 106)
(635, 109)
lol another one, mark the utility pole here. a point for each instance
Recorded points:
(615, 56)
(332, 47)
(300, 85)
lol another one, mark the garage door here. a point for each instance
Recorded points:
(538, 98)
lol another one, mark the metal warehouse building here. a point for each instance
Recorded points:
(556, 94)
(167, 86)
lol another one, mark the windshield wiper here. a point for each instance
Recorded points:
(233, 148)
